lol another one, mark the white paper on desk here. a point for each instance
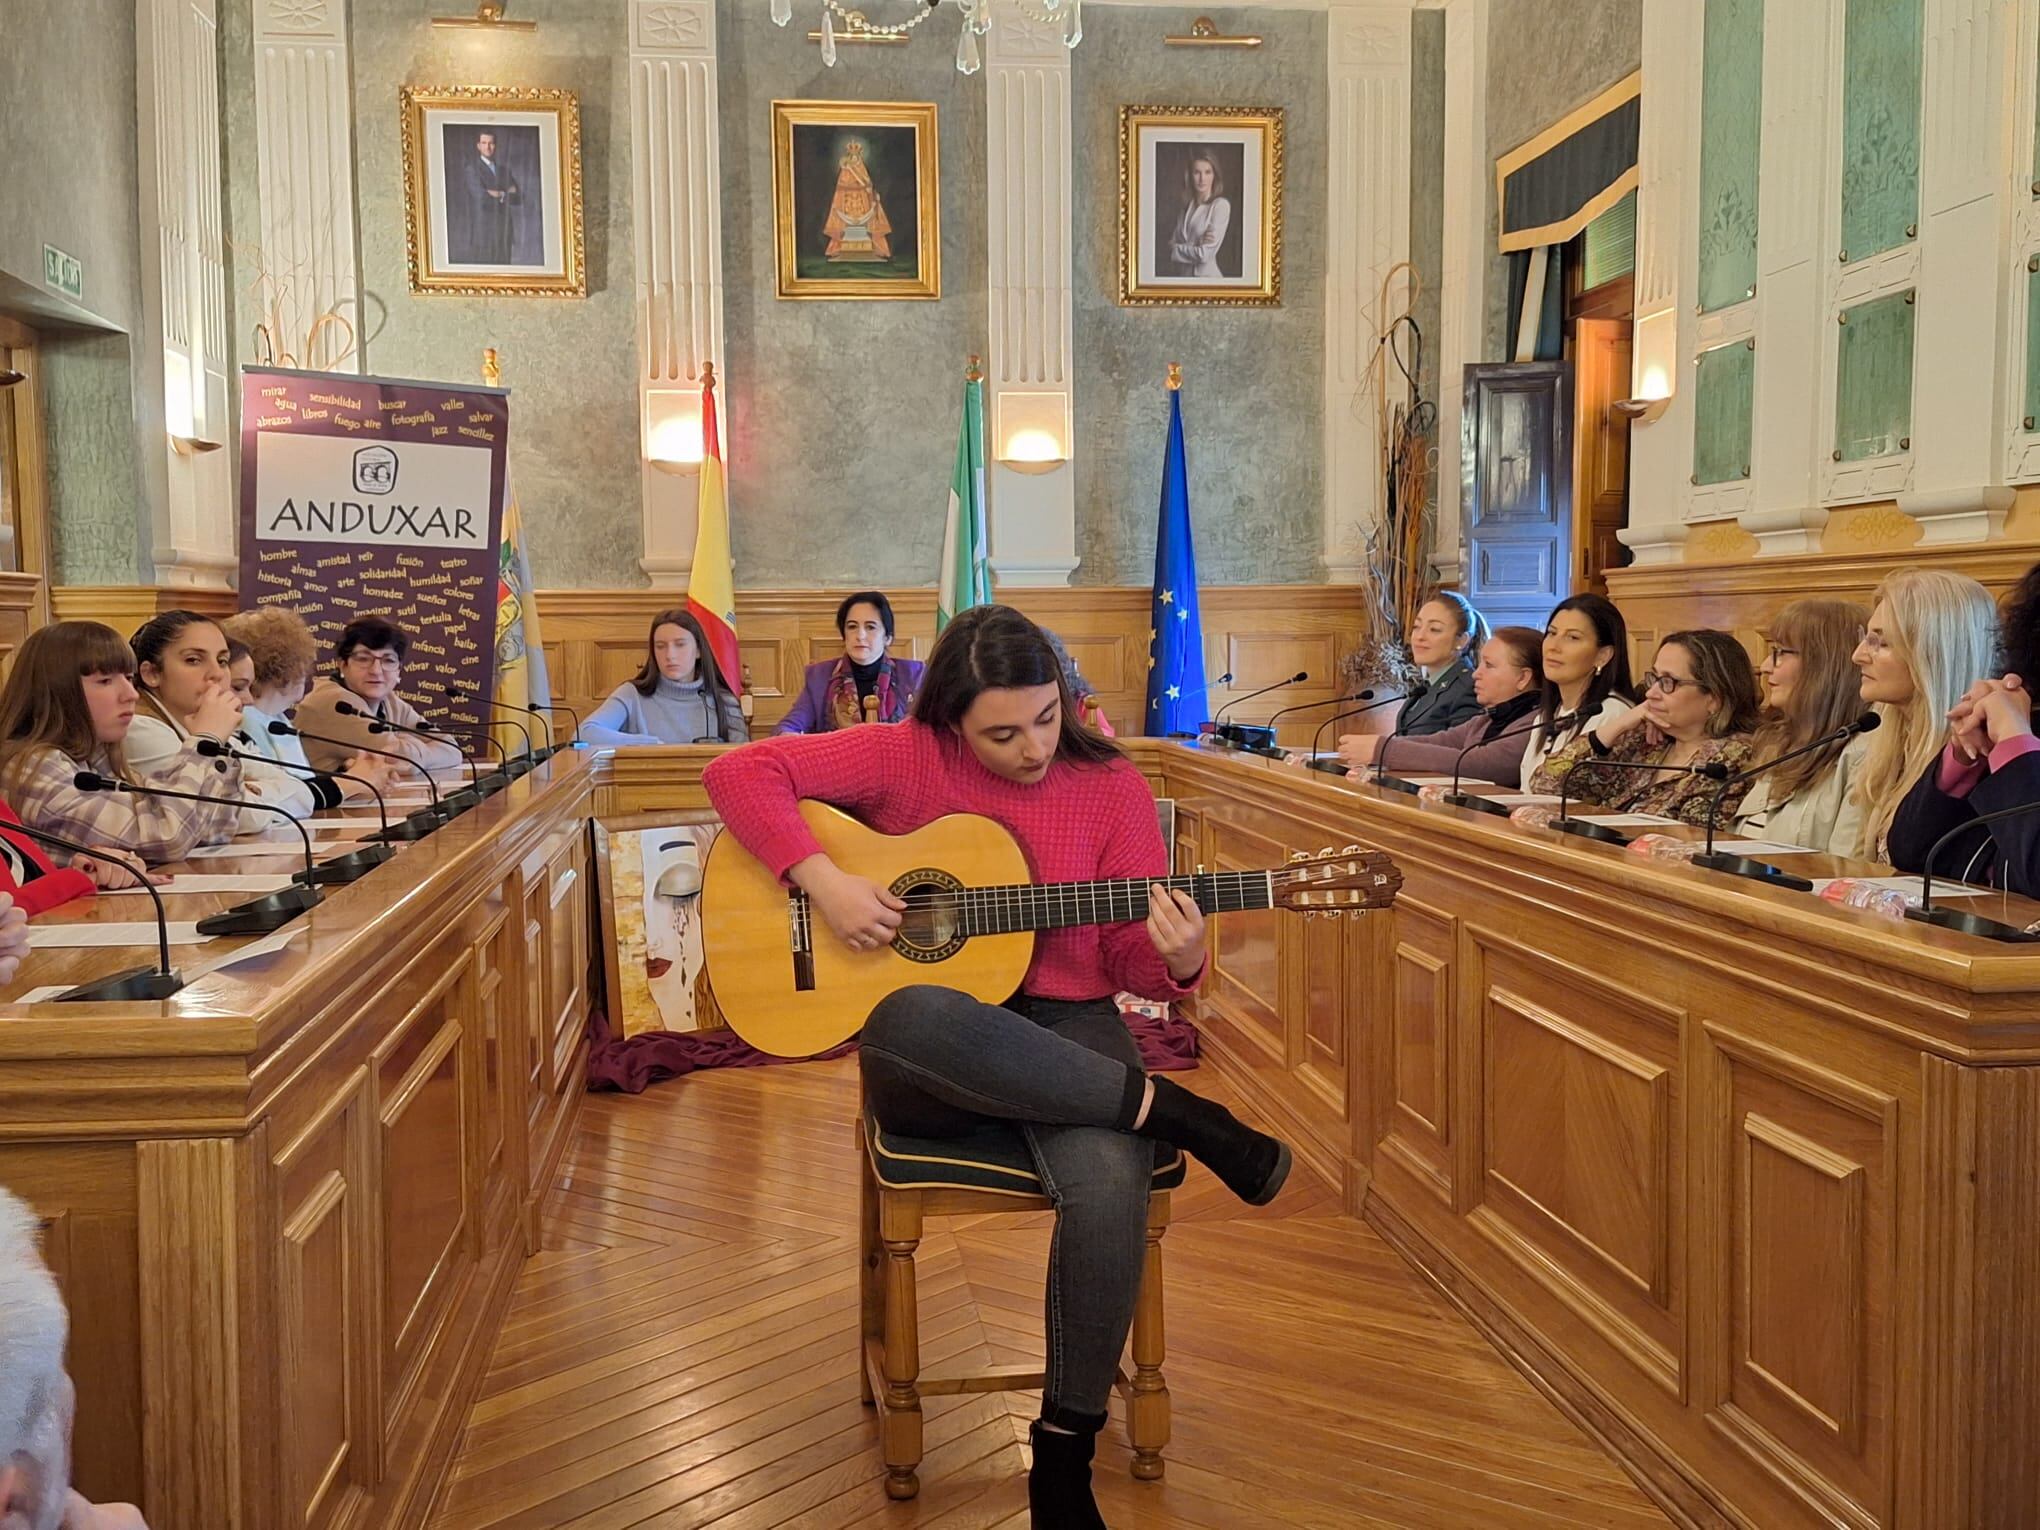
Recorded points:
(1525, 799)
(1906, 885)
(262, 847)
(44, 994)
(274, 941)
(1626, 820)
(225, 882)
(317, 826)
(1429, 780)
(1749, 847)
(41, 936)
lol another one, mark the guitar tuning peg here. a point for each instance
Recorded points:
(1351, 850)
(1298, 855)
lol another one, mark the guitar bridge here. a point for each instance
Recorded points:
(800, 942)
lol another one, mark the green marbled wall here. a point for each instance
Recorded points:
(1253, 393)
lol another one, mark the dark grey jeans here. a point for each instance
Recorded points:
(1067, 1074)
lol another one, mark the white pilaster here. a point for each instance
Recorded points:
(1462, 305)
(304, 151)
(1667, 258)
(1027, 213)
(1368, 233)
(1795, 161)
(676, 179)
(184, 292)
(1968, 85)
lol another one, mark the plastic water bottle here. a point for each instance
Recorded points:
(1534, 815)
(1854, 892)
(1665, 847)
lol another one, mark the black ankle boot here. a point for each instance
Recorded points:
(1251, 1164)
(1059, 1483)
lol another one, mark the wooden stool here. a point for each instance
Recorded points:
(907, 1180)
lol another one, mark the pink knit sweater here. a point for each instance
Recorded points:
(1077, 823)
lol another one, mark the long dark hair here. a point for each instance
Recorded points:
(157, 634)
(1612, 679)
(647, 679)
(2019, 629)
(43, 705)
(1721, 666)
(996, 648)
(1824, 633)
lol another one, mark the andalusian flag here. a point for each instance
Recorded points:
(966, 555)
(711, 586)
(521, 679)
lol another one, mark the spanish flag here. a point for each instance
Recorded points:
(711, 586)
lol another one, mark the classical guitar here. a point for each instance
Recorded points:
(789, 987)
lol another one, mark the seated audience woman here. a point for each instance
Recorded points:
(1445, 640)
(1991, 759)
(1699, 708)
(182, 667)
(371, 654)
(1586, 679)
(833, 693)
(1811, 688)
(992, 732)
(1082, 692)
(680, 696)
(1508, 681)
(66, 708)
(271, 657)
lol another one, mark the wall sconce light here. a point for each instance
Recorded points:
(1033, 429)
(192, 446)
(1647, 411)
(1656, 343)
(673, 430)
(9, 377)
(1204, 33)
(489, 16)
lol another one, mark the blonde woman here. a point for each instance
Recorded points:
(1811, 689)
(1930, 636)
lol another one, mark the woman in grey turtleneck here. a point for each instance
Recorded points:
(679, 697)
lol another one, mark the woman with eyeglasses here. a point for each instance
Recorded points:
(1991, 761)
(1699, 708)
(1811, 689)
(371, 654)
(1586, 681)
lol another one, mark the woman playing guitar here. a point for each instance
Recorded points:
(992, 732)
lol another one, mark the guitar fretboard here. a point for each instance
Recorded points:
(1057, 905)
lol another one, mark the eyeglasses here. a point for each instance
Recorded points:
(1778, 653)
(388, 661)
(1669, 684)
(1872, 643)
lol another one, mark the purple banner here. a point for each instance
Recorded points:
(369, 496)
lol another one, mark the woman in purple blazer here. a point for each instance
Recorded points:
(835, 689)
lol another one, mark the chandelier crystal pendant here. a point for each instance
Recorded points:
(839, 20)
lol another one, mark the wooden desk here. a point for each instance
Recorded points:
(1749, 1182)
(286, 1204)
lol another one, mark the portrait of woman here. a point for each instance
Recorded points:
(1201, 242)
(857, 227)
(1200, 205)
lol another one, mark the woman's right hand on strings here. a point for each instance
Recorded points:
(218, 714)
(863, 915)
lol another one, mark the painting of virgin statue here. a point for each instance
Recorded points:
(856, 196)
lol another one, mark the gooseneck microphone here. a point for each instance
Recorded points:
(532, 756)
(1252, 735)
(470, 692)
(1339, 767)
(1204, 689)
(1957, 919)
(460, 799)
(157, 982)
(258, 916)
(415, 826)
(1713, 770)
(572, 716)
(352, 866)
(1462, 799)
(486, 784)
(1763, 871)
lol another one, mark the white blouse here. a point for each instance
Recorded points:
(1200, 232)
(1533, 757)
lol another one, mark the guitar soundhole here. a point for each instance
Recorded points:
(932, 928)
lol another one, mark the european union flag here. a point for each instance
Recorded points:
(1175, 690)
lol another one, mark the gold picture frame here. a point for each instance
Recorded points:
(1220, 247)
(505, 222)
(856, 200)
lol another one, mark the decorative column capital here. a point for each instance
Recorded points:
(684, 28)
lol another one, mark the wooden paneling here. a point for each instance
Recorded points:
(124, 607)
(1740, 597)
(1417, 1071)
(595, 639)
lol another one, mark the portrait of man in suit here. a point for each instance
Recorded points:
(490, 219)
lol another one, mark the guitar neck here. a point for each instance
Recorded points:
(1059, 905)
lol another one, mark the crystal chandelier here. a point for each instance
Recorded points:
(1067, 15)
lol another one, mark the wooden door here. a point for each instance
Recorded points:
(1516, 480)
(1601, 450)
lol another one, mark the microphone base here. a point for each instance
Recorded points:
(492, 783)
(1972, 924)
(1756, 871)
(1330, 767)
(1396, 784)
(1478, 804)
(136, 983)
(260, 916)
(1585, 830)
(405, 830)
(351, 867)
(459, 802)
(1247, 735)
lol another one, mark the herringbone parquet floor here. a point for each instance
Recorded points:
(682, 1353)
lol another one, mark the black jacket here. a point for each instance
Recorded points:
(1435, 705)
(2003, 854)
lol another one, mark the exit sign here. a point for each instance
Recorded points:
(63, 272)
